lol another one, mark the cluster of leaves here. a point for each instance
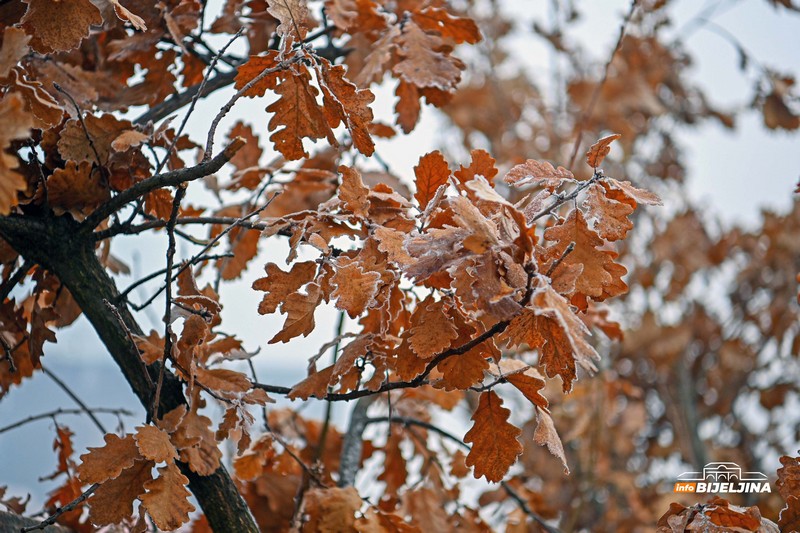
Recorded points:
(480, 288)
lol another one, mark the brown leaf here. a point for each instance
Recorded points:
(14, 48)
(540, 173)
(252, 68)
(316, 384)
(431, 173)
(347, 103)
(166, 499)
(223, 380)
(101, 464)
(432, 330)
(611, 216)
(76, 189)
(297, 115)
(113, 501)
(407, 107)
(356, 288)
(495, 444)
(424, 63)
(790, 515)
(154, 444)
(57, 26)
(482, 165)
(788, 482)
(16, 125)
(331, 510)
(436, 19)
(279, 284)
(546, 435)
(293, 17)
(599, 150)
(125, 14)
(299, 309)
(353, 192)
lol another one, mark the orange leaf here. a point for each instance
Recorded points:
(331, 510)
(315, 384)
(356, 288)
(436, 19)
(166, 499)
(17, 124)
(59, 26)
(223, 380)
(299, 309)
(432, 172)
(540, 173)
(599, 150)
(154, 444)
(423, 62)
(482, 165)
(76, 189)
(113, 501)
(253, 68)
(297, 116)
(353, 192)
(101, 464)
(432, 329)
(346, 102)
(279, 284)
(293, 17)
(14, 48)
(495, 444)
(546, 435)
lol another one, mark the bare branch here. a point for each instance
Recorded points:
(62, 411)
(49, 521)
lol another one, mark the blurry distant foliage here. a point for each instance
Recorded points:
(594, 342)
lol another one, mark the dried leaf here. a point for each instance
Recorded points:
(432, 172)
(495, 444)
(166, 499)
(599, 150)
(299, 309)
(58, 26)
(101, 464)
(113, 501)
(16, 125)
(154, 444)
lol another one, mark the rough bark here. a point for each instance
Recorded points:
(62, 247)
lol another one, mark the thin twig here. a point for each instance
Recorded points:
(568, 250)
(123, 295)
(283, 65)
(236, 222)
(587, 114)
(75, 399)
(14, 279)
(176, 206)
(49, 521)
(62, 411)
(329, 405)
(167, 179)
(83, 124)
(195, 98)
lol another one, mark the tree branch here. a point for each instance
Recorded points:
(167, 179)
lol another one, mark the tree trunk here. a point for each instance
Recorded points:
(58, 245)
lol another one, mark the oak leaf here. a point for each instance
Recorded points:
(482, 164)
(353, 192)
(599, 150)
(253, 68)
(601, 277)
(297, 115)
(431, 173)
(612, 222)
(541, 173)
(223, 380)
(789, 519)
(154, 444)
(76, 189)
(316, 384)
(436, 19)
(58, 26)
(331, 510)
(113, 501)
(432, 330)
(106, 462)
(407, 107)
(166, 499)
(279, 284)
(293, 18)
(14, 48)
(425, 61)
(299, 309)
(356, 288)
(788, 482)
(17, 125)
(345, 102)
(495, 443)
(546, 435)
